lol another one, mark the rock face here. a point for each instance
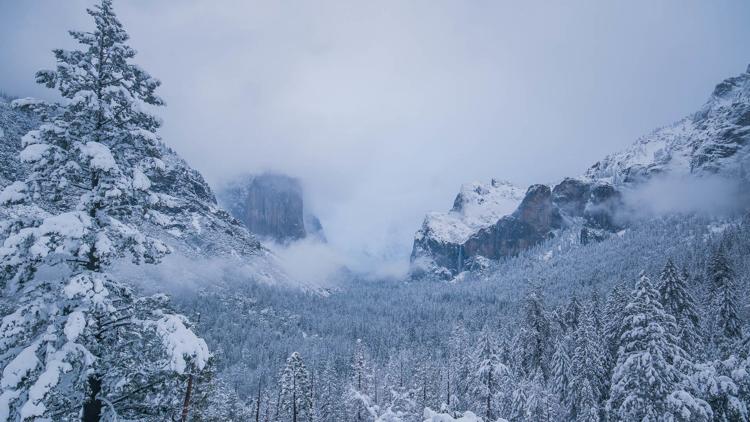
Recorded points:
(438, 244)
(712, 141)
(537, 217)
(533, 221)
(272, 206)
(571, 195)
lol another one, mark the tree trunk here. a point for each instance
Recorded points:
(294, 398)
(186, 403)
(489, 395)
(448, 390)
(92, 409)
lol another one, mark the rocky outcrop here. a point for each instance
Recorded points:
(438, 245)
(538, 210)
(271, 206)
(533, 221)
(542, 212)
(571, 196)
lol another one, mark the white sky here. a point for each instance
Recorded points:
(384, 108)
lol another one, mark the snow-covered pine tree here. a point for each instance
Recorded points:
(587, 368)
(561, 370)
(596, 309)
(424, 382)
(679, 302)
(359, 387)
(533, 348)
(726, 326)
(296, 391)
(517, 407)
(540, 404)
(646, 385)
(457, 368)
(327, 405)
(79, 342)
(216, 401)
(488, 379)
(572, 314)
(587, 406)
(724, 385)
(613, 313)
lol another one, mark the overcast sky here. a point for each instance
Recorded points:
(384, 108)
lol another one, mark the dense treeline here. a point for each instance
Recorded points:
(649, 351)
(565, 350)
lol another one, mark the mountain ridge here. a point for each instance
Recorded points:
(712, 141)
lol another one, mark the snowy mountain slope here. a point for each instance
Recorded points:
(713, 140)
(184, 214)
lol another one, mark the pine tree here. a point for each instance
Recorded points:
(489, 377)
(78, 338)
(587, 406)
(645, 378)
(296, 390)
(328, 394)
(726, 327)
(424, 377)
(216, 401)
(457, 368)
(561, 369)
(532, 343)
(613, 314)
(572, 314)
(587, 368)
(678, 302)
(721, 384)
(596, 308)
(359, 388)
(519, 399)
(540, 404)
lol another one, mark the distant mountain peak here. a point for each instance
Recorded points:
(271, 205)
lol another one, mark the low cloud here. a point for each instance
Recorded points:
(707, 195)
(310, 261)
